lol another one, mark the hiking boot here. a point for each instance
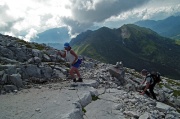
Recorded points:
(74, 80)
(80, 80)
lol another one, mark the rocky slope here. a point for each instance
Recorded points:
(22, 62)
(33, 86)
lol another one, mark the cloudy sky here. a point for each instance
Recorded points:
(26, 18)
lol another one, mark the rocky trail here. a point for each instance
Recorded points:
(34, 85)
(98, 97)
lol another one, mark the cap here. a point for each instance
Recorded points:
(144, 71)
(66, 45)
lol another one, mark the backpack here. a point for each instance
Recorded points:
(156, 76)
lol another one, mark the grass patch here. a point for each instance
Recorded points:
(83, 109)
(94, 98)
(22, 42)
(176, 93)
(177, 42)
(137, 75)
(30, 45)
(39, 46)
(134, 73)
(160, 85)
(173, 82)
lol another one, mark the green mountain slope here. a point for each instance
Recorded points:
(137, 47)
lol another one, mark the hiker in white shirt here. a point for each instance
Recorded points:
(72, 58)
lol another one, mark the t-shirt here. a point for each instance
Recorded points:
(69, 57)
(149, 79)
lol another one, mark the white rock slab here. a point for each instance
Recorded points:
(45, 103)
(163, 107)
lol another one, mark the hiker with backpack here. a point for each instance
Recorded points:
(151, 80)
(72, 58)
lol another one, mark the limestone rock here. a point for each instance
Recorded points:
(16, 80)
(118, 73)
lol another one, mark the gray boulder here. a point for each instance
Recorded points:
(7, 60)
(9, 88)
(161, 95)
(118, 73)
(36, 53)
(4, 79)
(146, 115)
(163, 107)
(177, 102)
(11, 69)
(46, 58)
(46, 72)
(32, 71)
(16, 80)
(5, 52)
(37, 60)
(1, 73)
(88, 65)
(20, 54)
(85, 99)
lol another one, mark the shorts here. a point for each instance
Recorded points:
(77, 64)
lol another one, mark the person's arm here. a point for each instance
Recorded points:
(62, 55)
(76, 57)
(143, 81)
(147, 86)
(148, 79)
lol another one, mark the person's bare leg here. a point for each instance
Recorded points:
(77, 72)
(72, 70)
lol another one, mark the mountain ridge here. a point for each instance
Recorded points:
(133, 45)
(169, 27)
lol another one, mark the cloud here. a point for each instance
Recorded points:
(85, 13)
(75, 26)
(160, 9)
(5, 22)
(99, 10)
(25, 18)
(154, 10)
(19, 16)
(31, 34)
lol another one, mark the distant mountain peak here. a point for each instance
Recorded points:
(54, 35)
(124, 32)
(169, 27)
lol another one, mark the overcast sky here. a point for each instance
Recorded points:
(26, 18)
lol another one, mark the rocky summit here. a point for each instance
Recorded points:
(34, 84)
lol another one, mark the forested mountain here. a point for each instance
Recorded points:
(136, 46)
